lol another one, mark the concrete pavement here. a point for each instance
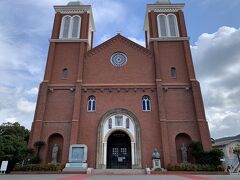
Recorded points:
(118, 177)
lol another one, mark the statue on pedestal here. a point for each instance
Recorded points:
(54, 153)
(156, 159)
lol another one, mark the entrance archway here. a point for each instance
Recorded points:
(119, 151)
(115, 121)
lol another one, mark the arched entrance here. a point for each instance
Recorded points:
(125, 124)
(119, 151)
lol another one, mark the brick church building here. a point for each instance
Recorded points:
(120, 99)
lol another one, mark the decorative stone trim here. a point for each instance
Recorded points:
(72, 9)
(177, 120)
(165, 7)
(68, 40)
(166, 88)
(117, 90)
(175, 84)
(119, 85)
(54, 88)
(166, 10)
(61, 85)
(170, 39)
(57, 122)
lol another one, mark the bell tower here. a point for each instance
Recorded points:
(58, 104)
(181, 110)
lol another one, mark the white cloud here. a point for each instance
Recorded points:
(22, 61)
(25, 106)
(217, 63)
(138, 41)
(11, 119)
(108, 11)
(32, 91)
(104, 38)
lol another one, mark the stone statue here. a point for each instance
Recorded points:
(54, 153)
(155, 154)
(184, 153)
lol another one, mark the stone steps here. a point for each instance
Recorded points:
(118, 171)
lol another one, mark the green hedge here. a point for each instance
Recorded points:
(34, 167)
(194, 167)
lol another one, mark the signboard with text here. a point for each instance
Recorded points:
(4, 166)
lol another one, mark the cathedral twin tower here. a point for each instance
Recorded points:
(119, 100)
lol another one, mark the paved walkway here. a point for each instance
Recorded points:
(119, 177)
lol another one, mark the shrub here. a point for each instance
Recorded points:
(211, 157)
(33, 167)
(194, 167)
(35, 160)
(158, 170)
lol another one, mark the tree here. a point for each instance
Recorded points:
(13, 143)
(38, 145)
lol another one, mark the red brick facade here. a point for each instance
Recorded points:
(177, 113)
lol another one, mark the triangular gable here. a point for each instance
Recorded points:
(125, 40)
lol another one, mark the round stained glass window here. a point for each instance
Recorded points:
(119, 59)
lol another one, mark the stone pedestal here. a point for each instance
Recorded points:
(76, 167)
(156, 164)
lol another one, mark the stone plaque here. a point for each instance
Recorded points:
(78, 153)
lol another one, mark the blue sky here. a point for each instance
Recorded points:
(213, 26)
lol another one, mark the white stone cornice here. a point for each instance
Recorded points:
(165, 10)
(73, 9)
(170, 39)
(68, 40)
(165, 7)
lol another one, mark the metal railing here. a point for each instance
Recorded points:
(235, 167)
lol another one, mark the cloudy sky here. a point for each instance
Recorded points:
(213, 25)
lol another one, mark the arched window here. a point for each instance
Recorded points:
(91, 103)
(173, 27)
(65, 27)
(167, 25)
(146, 103)
(70, 27)
(173, 72)
(127, 123)
(65, 73)
(76, 20)
(162, 25)
(110, 123)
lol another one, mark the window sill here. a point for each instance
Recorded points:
(91, 111)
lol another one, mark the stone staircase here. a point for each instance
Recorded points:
(118, 171)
